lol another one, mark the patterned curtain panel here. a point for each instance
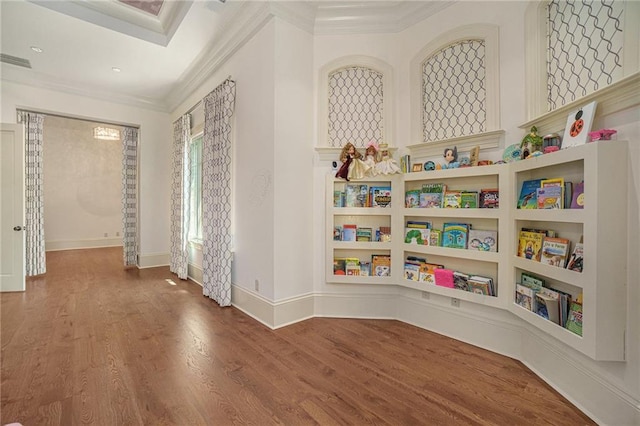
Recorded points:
(216, 193)
(180, 197)
(34, 201)
(130, 195)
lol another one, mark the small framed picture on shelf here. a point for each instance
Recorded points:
(579, 125)
(416, 167)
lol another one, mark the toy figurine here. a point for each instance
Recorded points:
(386, 165)
(451, 158)
(352, 165)
(371, 158)
(531, 143)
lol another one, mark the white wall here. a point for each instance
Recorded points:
(154, 153)
(82, 186)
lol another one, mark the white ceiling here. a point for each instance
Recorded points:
(164, 58)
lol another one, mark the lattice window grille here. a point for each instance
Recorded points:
(585, 40)
(453, 91)
(355, 106)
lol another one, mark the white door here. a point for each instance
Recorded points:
(12, 235)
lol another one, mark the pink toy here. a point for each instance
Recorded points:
(602, 135)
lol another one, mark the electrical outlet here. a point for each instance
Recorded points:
(117, 234)
(425, 295)
(455, 302)
(106, 234)
(257, 285)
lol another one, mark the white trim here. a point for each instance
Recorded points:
(273, 314)
(490, 34)
(387, 101)
(56, 245)
(194, 273)
(488, 140)
(153, 260)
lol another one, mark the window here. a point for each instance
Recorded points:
(195, 208)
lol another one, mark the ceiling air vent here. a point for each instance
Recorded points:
(14, 60)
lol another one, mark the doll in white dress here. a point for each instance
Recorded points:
(352, 165)
(371, 158)
(387, 165)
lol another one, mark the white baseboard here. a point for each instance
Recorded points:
(195, 273)
(57, 245)
(272, 314)
(153, 260)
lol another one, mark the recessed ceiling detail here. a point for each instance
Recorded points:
(150, 6)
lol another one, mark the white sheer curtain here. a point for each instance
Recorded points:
(130, 195)
(180, 197)
(35, 258)
(216, 193)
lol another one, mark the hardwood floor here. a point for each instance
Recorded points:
(93, 343)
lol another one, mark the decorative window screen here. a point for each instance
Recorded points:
(584, 48)
(454, 91)
(355, 106)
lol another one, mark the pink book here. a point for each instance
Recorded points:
(444, 277)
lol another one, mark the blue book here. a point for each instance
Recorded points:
(528, 194)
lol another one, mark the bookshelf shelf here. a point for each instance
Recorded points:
(601, 225)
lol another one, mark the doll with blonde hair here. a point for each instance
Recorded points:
(352, 165)
(371, 158)
(387, 165)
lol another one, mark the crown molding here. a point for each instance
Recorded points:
(44, 82)
(125, 19)
(239, 29)
(487, 140)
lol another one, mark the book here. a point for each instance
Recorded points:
(577, 200)
(338, 199)
(352, 266)
(555, 251)
(411, 271)
(530, 245)
(452, 200)
(525, 297)
(364, 234)
(418, 224)
(455, 235)
(568, 195)
(489, 199)
(381, 265)
(432, 195)
(550, 197)
(339, 266)
(337, 233)
(365, 269)
(435, 237)
(412, 198)
(531, 281)
(444, 277)
(469, 199)
(480, 285)
(380, 196)
(460, 281)
(528, 194)
(483, 240)
(548, 307)
(576, 259)
(418, 236)
(555, 182)
(385, 234)
(427, 273)
(349, 232)
(356, 195)
(574, 319)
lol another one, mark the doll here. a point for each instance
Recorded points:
(371, 158)
(451, 158)
(352, 165)
(386, 165)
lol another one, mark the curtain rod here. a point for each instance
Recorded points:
(70, 117)
(190, 110)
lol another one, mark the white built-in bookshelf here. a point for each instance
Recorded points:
(601, 225)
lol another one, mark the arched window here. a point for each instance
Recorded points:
(355, 102)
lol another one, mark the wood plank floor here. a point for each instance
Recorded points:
(93, 343)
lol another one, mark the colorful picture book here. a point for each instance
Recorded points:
(550, 197)
(530, 245)
(352, 266)
(574, 319)
(576, 260)
(444, 277)
(481, 285)
(548, 306)
(349, 232)
(525, 297)
(339, 266)
(528, 194)
(452, 200)
(455, 235)
(460, 281)
(577, 199)
(427, 273)
(489, 199)
(483, 240)
(381, 265)
(418, 236)
(432, 195)
(380, 196)
(412, 198)
(469, 199)
(357, 195)
(555, 251)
